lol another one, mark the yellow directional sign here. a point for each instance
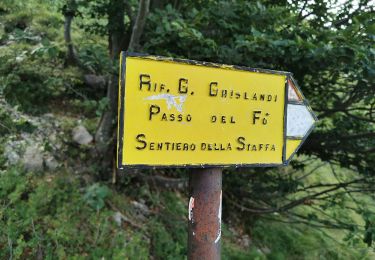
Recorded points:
(176, 112)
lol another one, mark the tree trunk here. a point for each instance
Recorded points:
(105, 134)
(71, 58)
(139, 24)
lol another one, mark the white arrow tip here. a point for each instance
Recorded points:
(299, 120)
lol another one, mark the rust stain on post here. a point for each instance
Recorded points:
(204, 227)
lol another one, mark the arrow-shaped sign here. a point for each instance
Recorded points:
(176, 112)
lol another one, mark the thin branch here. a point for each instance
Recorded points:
(359, 118)
(10, 245)
(311, 172)
(329, 111)
(7, 128)
(333, 218)
(358, 136)
(302, 9)
(339, 225)
(303, 162)
(346, 189)
(139, 24)
(345, 192)
(130, 13)
(304, 222)
(76, 91)
(164, 182)
(124, 218)
(294, 203)
(321, 185)
(350, 16)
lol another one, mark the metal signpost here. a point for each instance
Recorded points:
(205, 116)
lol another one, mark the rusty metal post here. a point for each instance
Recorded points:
(204, 229)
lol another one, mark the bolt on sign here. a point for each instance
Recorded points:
(175, 112)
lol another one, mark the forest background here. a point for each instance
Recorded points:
(60, 196)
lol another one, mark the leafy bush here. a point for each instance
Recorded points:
(49, 217)
(94, 57)
(95, 196)
(300, 242)
(18, 20)
(32, 79)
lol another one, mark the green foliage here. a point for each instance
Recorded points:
(36, 72)
(20, 20)
(89, 107)
(182, 38)
(168, 229)
(94, 57)
(334, 66)
(56, 217)
(95, 196)
(301, 242)
(50, 217)
(232, 249)
(163, 244)
(9, 125)
(369, 236)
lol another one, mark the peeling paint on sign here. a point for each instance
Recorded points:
(172, 100)
(219, 217)
(191, 207)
